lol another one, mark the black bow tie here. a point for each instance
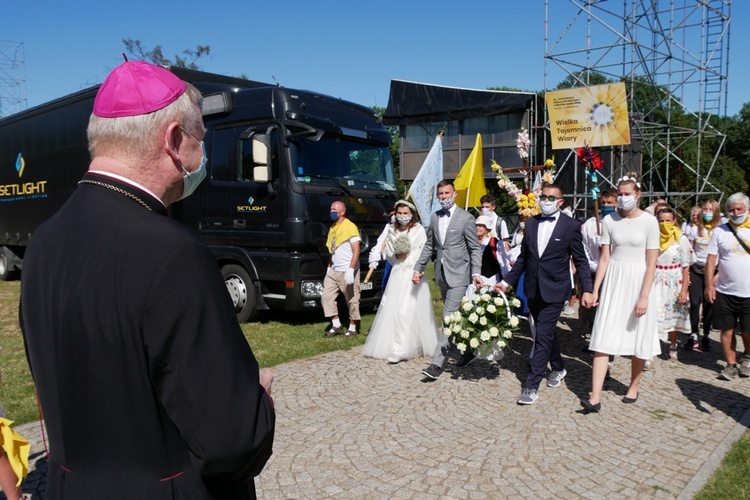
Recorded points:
(543, 218)
(444, 213)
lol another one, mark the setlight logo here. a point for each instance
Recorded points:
(22, 190)
(250, 207)
(20, 163)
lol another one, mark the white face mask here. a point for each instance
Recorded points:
(403, 220)
(548, 207)
(447, 203)
(738, 219)
(626, 203)
(191, 180)
(488, 212)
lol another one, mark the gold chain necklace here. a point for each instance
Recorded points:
(117, 190)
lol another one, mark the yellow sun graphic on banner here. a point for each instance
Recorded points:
(589, 116)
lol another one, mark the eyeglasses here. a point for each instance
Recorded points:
(544, 197)
(191, 136)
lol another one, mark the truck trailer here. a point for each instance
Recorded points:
(277, 159)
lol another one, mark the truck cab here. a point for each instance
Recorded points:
(277, 159)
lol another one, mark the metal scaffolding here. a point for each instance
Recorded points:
(12, 78)
(673, 56)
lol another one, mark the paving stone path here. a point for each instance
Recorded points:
(351, 427)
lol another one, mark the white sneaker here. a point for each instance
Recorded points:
(555, 378)
(528, 397)
(569, 311)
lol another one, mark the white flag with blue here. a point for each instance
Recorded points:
(423, 190)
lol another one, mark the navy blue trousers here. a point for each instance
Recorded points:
(546, 346)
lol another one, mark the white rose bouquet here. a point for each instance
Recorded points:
(484, 322)
(401, 245)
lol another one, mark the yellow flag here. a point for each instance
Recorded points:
(470, 181)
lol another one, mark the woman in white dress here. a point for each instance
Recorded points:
(625, 323)
(405, 325)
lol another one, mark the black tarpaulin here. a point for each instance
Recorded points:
(411, 102)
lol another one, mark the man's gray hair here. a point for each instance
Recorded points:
(139, 136)
(737, 198)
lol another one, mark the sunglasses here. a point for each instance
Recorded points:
(545, 197)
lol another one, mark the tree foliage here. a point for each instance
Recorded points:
(393, 130)
(583, 78)
(738, 139)
(156, 55)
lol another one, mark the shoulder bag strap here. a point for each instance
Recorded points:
(736, 235)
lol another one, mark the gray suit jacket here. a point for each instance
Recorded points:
(459, 257)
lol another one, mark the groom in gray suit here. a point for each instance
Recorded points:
(453, 234)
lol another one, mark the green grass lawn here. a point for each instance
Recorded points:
(732, 480)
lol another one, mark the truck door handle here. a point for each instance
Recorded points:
(239, 223)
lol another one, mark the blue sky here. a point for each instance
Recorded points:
(349, 49)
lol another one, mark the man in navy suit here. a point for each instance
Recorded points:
(551, 239)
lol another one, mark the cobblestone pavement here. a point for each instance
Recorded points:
(352, 427)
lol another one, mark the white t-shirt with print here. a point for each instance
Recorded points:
(733, 261)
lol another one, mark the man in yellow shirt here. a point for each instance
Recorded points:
(342, 275)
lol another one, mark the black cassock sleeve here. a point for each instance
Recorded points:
(203, 369)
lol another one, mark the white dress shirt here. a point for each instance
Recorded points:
(545, 231)
(443, 222)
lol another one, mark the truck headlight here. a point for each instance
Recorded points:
(311, 289)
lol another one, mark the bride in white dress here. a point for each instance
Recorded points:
(405, 325)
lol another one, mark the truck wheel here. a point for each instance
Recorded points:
(242, 291)
(4, 274)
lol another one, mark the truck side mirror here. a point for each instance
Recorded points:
(261, 158)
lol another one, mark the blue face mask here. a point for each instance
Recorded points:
(607, 210)
(708, 216)
(191, 180)
(334, 215)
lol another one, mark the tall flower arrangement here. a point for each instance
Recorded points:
(592, 162)
(590, 158)
(523, 143)
(526, 202)
(549, 174)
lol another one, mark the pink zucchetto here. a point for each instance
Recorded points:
(137, 88)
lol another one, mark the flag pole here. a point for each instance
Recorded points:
(369, 273)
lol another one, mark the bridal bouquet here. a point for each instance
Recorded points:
(483, 322)
(401, 244)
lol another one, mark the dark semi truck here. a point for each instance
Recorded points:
(277, 159)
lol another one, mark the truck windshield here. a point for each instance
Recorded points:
(337, 160)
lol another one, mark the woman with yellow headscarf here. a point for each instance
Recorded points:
(671, 280)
